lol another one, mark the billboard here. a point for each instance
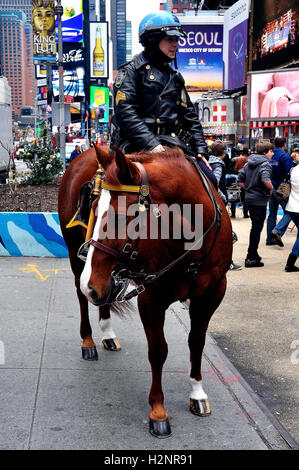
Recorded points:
(73, 81)
(43, 25)
(216, 112)
(274, 95)
(199, 56)
(42, 94)
(73, 72)
(98, 49)
(218, 116)
(275, 33)
(72, 21)
(40, 71)
(235, 44)
(99, 102)
(72, 55)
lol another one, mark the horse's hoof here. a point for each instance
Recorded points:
(159, 428)
(200, 407)
(111, 344)
(90, 353)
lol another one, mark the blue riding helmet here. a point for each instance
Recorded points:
(162, 22)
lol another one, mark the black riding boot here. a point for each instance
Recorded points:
(84, 203)
(290, 266)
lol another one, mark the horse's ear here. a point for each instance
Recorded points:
(127, 171)
(104, 156)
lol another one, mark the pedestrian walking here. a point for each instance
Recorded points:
(281, 163)
(218, 151)
(255, 178)
(281, 227)
(239, 163)
(292, 208)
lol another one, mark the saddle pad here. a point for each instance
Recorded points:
(77, 220)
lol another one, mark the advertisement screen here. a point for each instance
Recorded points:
(43, 26)
(72, 21)
(73, 81)
(237, 55)
(73, 55)
(98, 50)
(99, 102)
(42, 93)
(199, 56)
(41, 71)
(274, 95)
(275, 33)
(235, 44)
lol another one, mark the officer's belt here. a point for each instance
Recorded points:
(164, 130)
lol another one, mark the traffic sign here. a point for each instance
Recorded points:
(68, 99)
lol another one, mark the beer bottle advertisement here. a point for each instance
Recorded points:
(98, 54)
(98, 50)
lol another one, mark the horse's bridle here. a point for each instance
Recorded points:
(122, 273)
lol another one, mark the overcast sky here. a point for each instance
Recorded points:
(136, 10)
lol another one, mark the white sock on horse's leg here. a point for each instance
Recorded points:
(197, 392)
(106, 327)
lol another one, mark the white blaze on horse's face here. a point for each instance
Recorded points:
(103, 206)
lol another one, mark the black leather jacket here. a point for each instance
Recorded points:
(148, 112)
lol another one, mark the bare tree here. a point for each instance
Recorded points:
(11, 164)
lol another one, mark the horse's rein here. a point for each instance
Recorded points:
(126, 256)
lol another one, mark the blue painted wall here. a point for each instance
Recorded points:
(31, 234)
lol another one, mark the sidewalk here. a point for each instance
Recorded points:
(53, 399)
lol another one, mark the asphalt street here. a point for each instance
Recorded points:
(51, 399)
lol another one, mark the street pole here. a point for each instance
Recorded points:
(35, 117)
(86, 40)
(59, 13)
(49, 101)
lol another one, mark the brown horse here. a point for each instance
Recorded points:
(80, 171)
(137, 194)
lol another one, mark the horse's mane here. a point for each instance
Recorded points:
(174, 157)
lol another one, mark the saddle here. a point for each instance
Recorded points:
(89, 191)
(85, 217)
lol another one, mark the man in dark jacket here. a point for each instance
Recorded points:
(281, 163)
(75, 153)
(151, 105)
(255, 178)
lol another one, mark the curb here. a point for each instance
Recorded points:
(265, 423)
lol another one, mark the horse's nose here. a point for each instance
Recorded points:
(95, 298)
(93, 295)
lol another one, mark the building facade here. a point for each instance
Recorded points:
(180, 6)
(6, 140)
(129, 41)
(18, 5)
(118, 32)
(16, 58)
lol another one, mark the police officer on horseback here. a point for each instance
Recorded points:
(151, 105)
